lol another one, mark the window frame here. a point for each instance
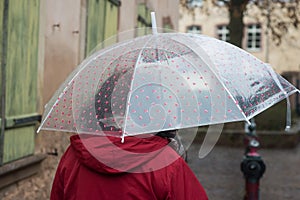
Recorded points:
(218, 33)
(253, 38)
(194, 3)
(193, 31)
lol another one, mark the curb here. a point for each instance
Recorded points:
(267, 139)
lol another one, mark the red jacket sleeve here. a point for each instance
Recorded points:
(184, 184)
(57, 191)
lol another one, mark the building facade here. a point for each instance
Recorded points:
(212, 20)
(51, 38)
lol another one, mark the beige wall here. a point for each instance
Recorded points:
(198, 17)
(286, 56)
(64, 33)
(62, 42)
(282, 58)
(162, 9)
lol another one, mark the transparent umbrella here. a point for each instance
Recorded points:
(164, 81)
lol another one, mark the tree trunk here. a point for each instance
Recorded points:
(236, 24)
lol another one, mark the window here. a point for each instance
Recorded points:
(223, 33)
(253, 37)
(222, 2)
(194, 3)
(194, 29)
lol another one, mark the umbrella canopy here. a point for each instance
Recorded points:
(163, 82)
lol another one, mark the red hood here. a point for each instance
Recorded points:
(108, 155)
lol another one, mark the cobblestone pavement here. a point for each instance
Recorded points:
(219, 173)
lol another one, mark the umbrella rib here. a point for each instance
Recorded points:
(131, 86)
(74, 74)
(276, 101)
(220, 80)
(232, 97)
(191, 49)
(275, 78)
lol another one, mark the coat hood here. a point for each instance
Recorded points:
(106, 154)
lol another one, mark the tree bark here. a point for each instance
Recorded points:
(236, 24)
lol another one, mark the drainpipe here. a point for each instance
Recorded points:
(3, 76)
(267, 33)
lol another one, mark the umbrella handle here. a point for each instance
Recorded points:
(122, 138)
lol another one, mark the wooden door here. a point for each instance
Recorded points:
(19, 64)
(102, 23)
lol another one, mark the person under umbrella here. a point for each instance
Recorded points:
(98, 166)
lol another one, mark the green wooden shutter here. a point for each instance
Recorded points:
(144, 19)
(111, 23)
(21, 78)
(102, 23)
(95, 24)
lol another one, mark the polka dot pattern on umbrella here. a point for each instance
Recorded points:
(163, 82)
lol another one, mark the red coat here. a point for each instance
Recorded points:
(94, 167)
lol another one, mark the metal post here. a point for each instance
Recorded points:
(267, 32)
(3, 76)
(252, 166)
